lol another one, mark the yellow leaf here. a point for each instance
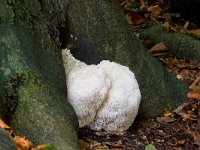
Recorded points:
(195, 32)
(23, 143)
(5, 126)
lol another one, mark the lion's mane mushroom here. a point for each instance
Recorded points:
(121, 105)
(104, 96)
(87, 90)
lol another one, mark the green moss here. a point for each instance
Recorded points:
(50, 147)
(6, 141)
(6, 13)
(12, 61)
(43, 110)
(27, 50)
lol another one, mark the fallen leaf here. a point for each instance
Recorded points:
(115, 144)
(187, 116)
(194, 85)
(153, 18)
(160, 47)
(197, 138)
(186, 25)
(168, 27)
(180, 108)
(5, 126)
(150, 147)
(155, 10)
(23, 143)
(167, 15)
(181, 142)
(168, 112)
(184, 73)
(104, 147)
(159, 54)
(83, 144)
(166, 119)
(123, 2)
(194, 94)
(134, 18)
(195, 32)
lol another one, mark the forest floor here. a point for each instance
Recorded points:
(177, 129)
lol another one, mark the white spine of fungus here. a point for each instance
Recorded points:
(70, 62)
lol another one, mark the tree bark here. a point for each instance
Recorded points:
(30, 50)
(6, 141)
(3, 111)
(179, 44)
(103, 33)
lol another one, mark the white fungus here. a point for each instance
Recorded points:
(87, 89)
(70, 62)
(104, 96)
(121, 106)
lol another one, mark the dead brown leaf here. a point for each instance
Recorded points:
(166, 119)
(160, 47)
(115, 144)
(185, 26)
(23, 143)
(194, 85)
(134, 18)
(155, 10)
(102, 147)
(194, 94)
(84, 145)
(180, 108)
(181, 142)
(195, 32)
(185, 116)
(168, 26)
(5, 126)
(196, 138)
(168, 112)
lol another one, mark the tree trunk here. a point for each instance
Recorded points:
(3, 111)
(30, 56)
(103, 33)
(6, 141)
(179, 44)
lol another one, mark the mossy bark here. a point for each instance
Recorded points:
(179, 44)
(30, 55)
(3, 110)
(6, 141)
(103, 33)
(42, 113)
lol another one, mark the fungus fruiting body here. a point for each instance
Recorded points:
(104, 96)
(122, 102)
(87, 89)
